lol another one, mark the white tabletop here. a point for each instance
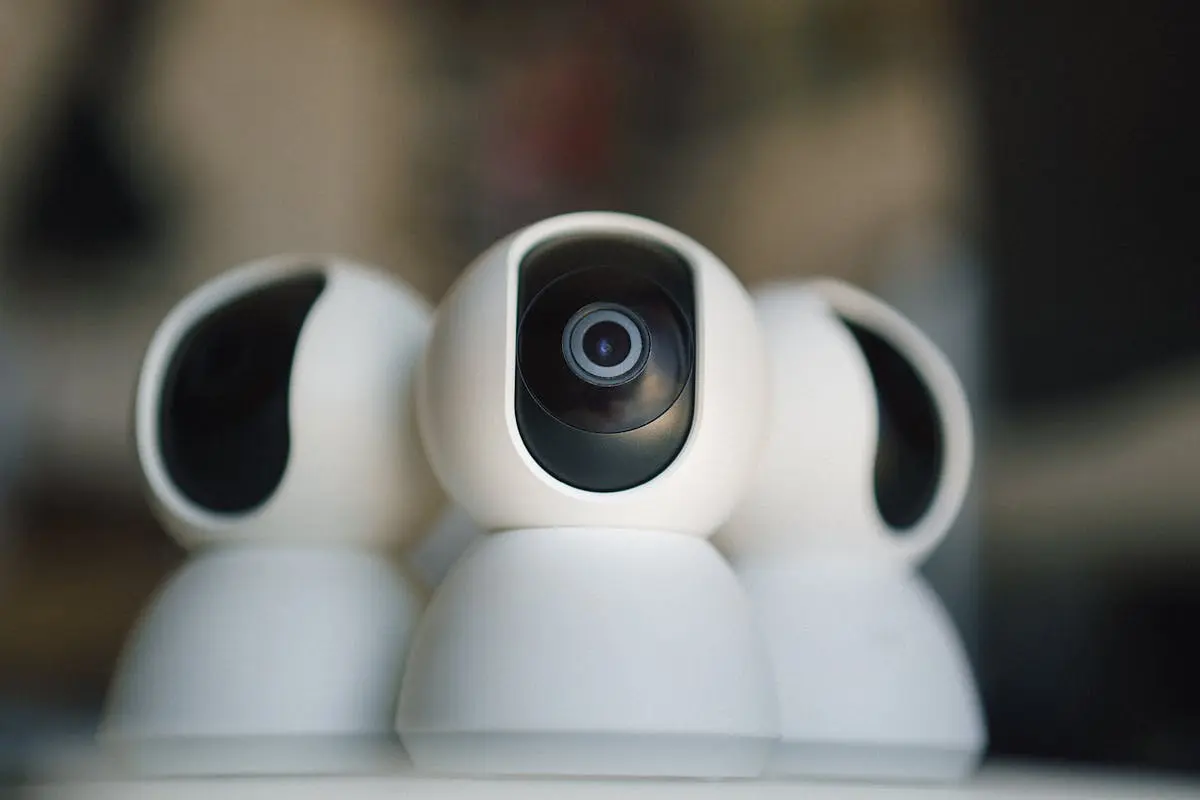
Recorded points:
(995, 782)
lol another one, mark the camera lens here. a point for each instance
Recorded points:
(605, 345)
(603, 349)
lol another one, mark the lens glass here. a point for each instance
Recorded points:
(604, 349)
(606, 343)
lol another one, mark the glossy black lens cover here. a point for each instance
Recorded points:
(586, 406)
(224, 429)
(607, 344)
(621, 431)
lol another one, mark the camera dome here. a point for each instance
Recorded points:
(275, 403)
(595, 369)
(871, 447)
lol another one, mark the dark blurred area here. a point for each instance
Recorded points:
(1019, 178)
(1091, 172)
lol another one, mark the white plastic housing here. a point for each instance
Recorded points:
(280, 644)
(265, 659)
(466, 398)
(588, 633)
(872, 680)
(356, 471)
(813, 487)
(583, 651)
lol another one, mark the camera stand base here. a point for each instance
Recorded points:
(589, 651)
(266, 659)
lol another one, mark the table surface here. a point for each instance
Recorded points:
(997, 781)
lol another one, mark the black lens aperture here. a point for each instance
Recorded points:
(605, 388)
(605, 344)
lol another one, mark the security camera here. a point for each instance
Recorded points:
(867, 464)
(275, 426)
(593, 396)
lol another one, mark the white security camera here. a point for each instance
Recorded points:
(275, 426)
(594, 396)
(867, 464)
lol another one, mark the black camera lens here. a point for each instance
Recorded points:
(605, 358)
(605, 345)
(604, 349)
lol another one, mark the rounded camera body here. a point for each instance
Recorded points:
(275, 404)
(593, 397)
(867, 465)
(276, 429)
(595, 369)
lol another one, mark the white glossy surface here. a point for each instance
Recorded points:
(813, 491)
(466, 397)
(873, 680)
(589, 651)
(281, 651)
(871, 676)
(356, 470)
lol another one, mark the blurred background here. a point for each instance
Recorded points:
(1020, 178)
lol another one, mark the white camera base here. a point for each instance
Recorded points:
(872, 678)
(589, 651)
(264, 659)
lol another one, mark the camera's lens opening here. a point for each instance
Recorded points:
(605, 344)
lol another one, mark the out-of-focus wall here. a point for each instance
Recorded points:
(271, 127)
(36, 40)
(850, 137)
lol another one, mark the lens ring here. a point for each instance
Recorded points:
(579, 350)
(586, 368)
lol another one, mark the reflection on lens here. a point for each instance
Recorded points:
(223, 363)
(604, 349)
(605, 344)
